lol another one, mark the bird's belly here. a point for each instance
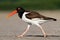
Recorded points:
(33, 21)
(37, 20)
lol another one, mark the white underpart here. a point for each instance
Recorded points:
(32, 21)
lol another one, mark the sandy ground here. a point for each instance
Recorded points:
(10, 28)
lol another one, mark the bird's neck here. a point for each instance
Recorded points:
(20, 14)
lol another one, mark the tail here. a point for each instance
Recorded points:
(48, 18)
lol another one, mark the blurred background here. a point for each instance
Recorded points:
(30, 4)
(9, 28)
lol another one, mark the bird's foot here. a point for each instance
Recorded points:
(45, 35)
(20, 36)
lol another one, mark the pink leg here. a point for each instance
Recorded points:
(41, 30)
(24, 32)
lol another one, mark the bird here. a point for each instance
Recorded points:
(31, 18)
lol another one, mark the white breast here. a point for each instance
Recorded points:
(24, 17)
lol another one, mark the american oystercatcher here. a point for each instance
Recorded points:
(30, 17)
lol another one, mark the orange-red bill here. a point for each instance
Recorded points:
(12, 13)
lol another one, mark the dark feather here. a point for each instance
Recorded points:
(49, 18)
(34, 15)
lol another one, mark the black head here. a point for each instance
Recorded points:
(20, 9)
